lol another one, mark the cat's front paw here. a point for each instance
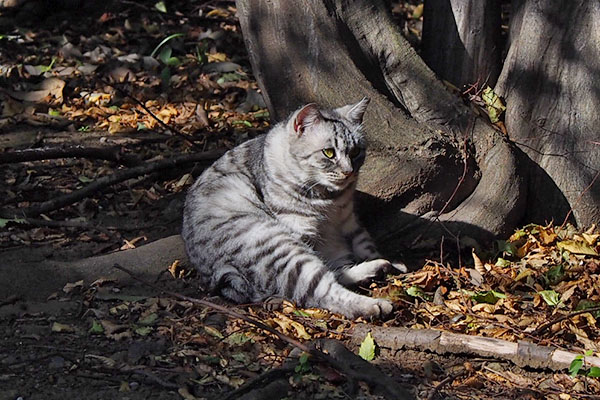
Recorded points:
(378, 308)
(400, 266)
(364, 272)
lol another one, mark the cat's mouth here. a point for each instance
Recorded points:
(343, 179)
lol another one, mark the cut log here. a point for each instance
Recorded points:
(523, 354)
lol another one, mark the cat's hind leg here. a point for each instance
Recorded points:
(232, 285)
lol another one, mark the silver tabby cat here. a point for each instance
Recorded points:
(275, 216)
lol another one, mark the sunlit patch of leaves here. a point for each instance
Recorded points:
(538, 274)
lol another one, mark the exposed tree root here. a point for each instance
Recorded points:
(110, 153)
(101, 183)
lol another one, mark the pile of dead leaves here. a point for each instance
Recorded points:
(540, 275)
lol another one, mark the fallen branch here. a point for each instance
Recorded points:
(84, 225)
(260, 381)
(101, 183)
(110, 153)
(346, 368)
(548, 324)
(175, 132)
(523, 354)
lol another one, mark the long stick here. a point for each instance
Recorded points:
(111, 153)
(108, 180)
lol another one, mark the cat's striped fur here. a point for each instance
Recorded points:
(274, 216)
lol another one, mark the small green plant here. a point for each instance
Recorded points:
(303, 366)
(167, 58)
(84, 128)
(578, 363)
(202, 53)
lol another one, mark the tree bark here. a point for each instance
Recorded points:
(550, 83)
(461, 40)
(430, 159)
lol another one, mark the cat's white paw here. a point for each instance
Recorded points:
(400, 266)
(379, 308)
(365, 271)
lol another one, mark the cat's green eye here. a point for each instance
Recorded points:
(354, 152)
(329, 152)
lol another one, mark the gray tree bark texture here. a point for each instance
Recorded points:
(461, 40)
(551, 83)
(434, 168)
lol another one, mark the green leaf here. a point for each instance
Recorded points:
(148, 319)
(502, 262)
(301, 313)
(165, 54)
(238, 339)
(303, 365)
(229, 77)
(213, 332)
(165, 76)
(588, 353)
(143, 330)
(84, 179)
(518, 235)
(96, 328)
(261, 114)
(489, 297)
(576, 365)
(367, 348)
(54, 113)
(165, 40)
(506, 247)
(493, 104)
(555, 274)
(416, 291)
(551, 297)
(242, 122)
(141, 126)
(594, 372)
(4, 221)
(160, 6)
(173, 62)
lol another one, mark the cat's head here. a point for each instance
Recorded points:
(329, 145)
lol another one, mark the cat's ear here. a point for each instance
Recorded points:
(355, 112)
(305, 117)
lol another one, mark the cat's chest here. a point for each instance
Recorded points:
(312, 229)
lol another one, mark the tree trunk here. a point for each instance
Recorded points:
(550, 83)
(461, 40)
(430, 159)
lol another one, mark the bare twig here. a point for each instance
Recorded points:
(269, 376)
(83, 225)
(108, 180)
(112, 153)
(548, 324)
(124, 93)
